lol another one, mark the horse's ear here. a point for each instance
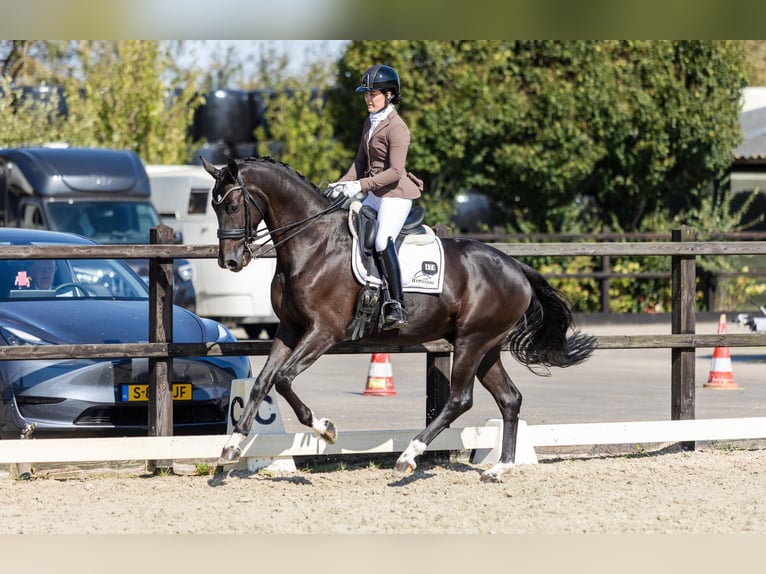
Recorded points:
(233, 167)
(209, 167)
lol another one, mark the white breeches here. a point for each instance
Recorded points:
(392, 213)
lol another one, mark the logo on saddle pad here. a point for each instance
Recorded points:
(426, 274)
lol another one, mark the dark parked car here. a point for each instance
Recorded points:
(50, 302)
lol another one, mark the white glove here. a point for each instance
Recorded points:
(351, 188)
(347, 188)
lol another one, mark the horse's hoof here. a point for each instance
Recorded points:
(329, 434)
(493, 474)
(404, 467)
(489, 477)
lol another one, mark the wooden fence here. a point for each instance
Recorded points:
(604, 274)
(160, 349)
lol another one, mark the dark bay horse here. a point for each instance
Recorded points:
(488, 298)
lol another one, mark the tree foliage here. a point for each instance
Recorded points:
(119, 94)
(756, 62)
(564, 133)
(631, 126)
(298, 129)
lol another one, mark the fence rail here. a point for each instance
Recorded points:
(683, 341)
(258, 348)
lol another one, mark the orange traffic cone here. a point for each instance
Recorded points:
(380, 377)
(721, 375)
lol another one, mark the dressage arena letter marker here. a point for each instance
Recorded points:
(268, 420)
(525, 451)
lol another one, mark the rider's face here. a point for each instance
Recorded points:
(375, 100)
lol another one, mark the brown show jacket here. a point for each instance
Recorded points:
(380, 164)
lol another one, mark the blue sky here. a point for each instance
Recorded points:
(298, 50)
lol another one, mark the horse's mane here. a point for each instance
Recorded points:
(290, 169)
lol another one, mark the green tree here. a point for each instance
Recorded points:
(541, 125)
(756, 62)
(298, 129)
(129, 101)
(120, 94)
(31, 62)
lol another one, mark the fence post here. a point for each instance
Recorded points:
(683, 273)
(606, 268)
(160, 331)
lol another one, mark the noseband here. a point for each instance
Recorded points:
(247, 232)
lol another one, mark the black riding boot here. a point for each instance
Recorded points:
(394, 316)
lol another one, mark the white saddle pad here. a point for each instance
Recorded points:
(422, 267)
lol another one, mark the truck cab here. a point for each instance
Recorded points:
(102, 194)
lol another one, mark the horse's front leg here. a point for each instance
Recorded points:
(282, 366)
(232, 450)
(312, 346)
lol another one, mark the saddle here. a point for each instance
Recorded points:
(363, 225)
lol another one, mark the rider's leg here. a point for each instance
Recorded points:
(394, 315)
(392, 213)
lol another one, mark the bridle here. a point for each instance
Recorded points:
(250, 236)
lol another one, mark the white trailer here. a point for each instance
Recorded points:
(181, 194)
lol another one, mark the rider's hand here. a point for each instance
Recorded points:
(351, 188)
(333, 190)
(347, 188)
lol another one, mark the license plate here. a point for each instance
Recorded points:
(140, 393)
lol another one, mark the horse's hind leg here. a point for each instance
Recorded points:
(495, 379)
(457, 404)
(460, 399)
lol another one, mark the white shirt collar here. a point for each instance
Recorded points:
(377, 117)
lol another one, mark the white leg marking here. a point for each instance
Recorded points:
(325, 429)
(319, 426)
(494, 473)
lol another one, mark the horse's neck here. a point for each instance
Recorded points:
(321, 240)
(291, 212)
(291, 218)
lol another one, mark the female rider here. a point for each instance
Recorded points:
(379, 169)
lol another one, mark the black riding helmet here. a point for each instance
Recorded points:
(383, 78)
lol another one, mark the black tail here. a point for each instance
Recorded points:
(540, 336)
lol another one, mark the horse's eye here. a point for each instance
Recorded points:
(231, 207)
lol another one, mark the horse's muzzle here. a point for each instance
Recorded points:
(233, 258)
(230, 264)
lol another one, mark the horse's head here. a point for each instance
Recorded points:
(238, 215)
